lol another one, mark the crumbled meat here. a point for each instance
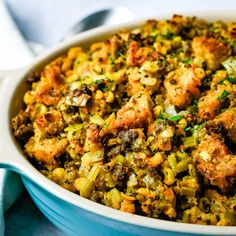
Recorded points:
(22, 125)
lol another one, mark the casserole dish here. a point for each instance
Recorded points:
(73, 214)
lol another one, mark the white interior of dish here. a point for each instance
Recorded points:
(11, 156)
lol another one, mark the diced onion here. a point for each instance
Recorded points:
(96, 119)
(170, 110)
(205, 155)
(148, 81)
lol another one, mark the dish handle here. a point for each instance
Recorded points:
(8, 74)
(3, 75)
(7, 158)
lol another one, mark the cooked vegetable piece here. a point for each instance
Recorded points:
(230, 66)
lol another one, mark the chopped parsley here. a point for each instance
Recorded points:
(105, 89)
(162, 116)
(120, 53)
(175, 118)
(188, 61)
(195, 102)
(232, 80)
(169, 35)
(188, 128)
(223, 95)
(154, 34)
(221, 81)
(112, 60)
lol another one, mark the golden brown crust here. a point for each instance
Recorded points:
(215, 163)
(209, 104)
(46, 150)
(228, 120)
(211, 50)
(49, 89)
(182, 85)
(136, 113)
(49, 123)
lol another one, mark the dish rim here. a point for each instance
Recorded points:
(11, 153)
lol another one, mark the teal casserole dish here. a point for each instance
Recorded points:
(71, 213)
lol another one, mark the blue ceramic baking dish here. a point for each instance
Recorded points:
(73, 214)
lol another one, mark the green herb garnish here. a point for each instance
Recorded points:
(188, 61)
(162, 116)
(169, 35)
(221, 81)
(105, 89)
(120, 53)
(112, 61)
(154, 34)
(188, 128)
(223, 95)
(175, 118)
(195, 102)
(196, 127)
(232, 80)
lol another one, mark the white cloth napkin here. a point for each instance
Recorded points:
(14, 53)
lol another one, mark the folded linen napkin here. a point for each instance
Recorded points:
(13, 53)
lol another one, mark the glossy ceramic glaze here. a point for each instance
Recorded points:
(71, 213)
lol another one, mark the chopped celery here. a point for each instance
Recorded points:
(110, 181)
(73, 127)
(96, 119)
(190, 141)
(93, 172)
(97, 156)
(183, 165)
(85, 160)
(181, 155)
(92, 157)
(88, 185)
(113, 198)
(172, 161)
(121, 159)
(186, 191)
